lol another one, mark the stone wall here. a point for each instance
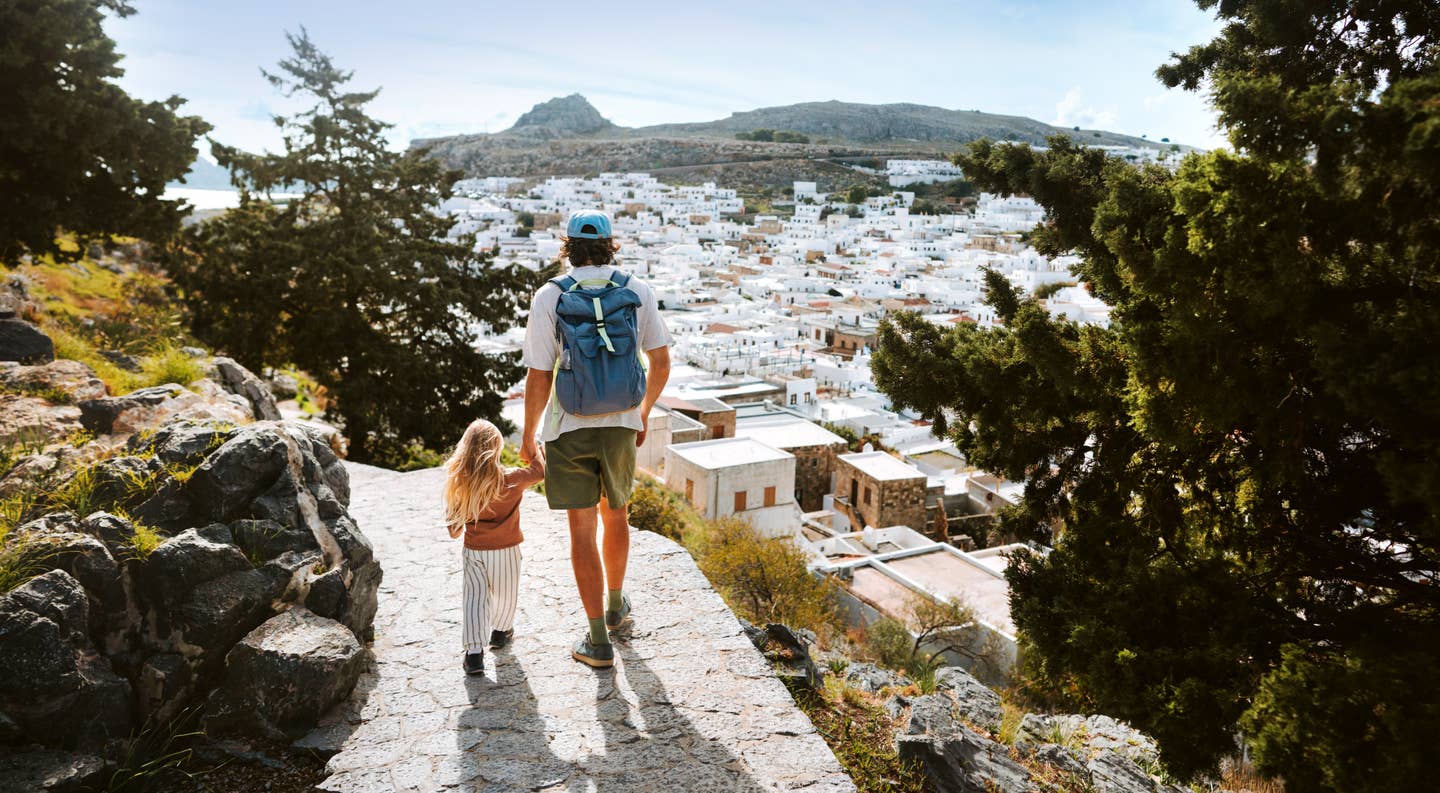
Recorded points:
(892, 502)
(813, 467)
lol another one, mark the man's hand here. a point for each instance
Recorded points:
(644, 428)
(455, 530)
(530, 450)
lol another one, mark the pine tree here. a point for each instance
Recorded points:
(356, 280)
(1243, 465)
(78, 154)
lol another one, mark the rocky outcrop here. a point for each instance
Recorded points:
(241, 381)
(72, 379)
(561, 116)
(150, 408)
(788, 652)
(23, 342)
(53, 683)
(241, 525)
(963, 762)
(284, 675)
(52, 771)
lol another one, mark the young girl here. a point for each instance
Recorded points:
(482, 501)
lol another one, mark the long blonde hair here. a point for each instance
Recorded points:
(474, 476)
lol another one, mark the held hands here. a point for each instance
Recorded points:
(644, 428)
(455, 530)
(530, 451)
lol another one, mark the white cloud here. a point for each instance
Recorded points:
(1071, 111)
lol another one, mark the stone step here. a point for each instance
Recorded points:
(690, 705)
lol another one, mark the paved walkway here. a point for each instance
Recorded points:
(690, 706)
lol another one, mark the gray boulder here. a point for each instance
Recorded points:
(51, 771)
(974, 701)
(963, 762)
(221, 611)
(1058, 757)
(63, 545)
(238, 380)
(62, 376)
(870, 678)
(246, 467)
(283, 386)
(1113, 773)
(183, 443)
(1092, 733)
(932, 714)
(284, 675)
(99, 415)
(23, 342)
(266, 539)
(52, 682)
(185, 561)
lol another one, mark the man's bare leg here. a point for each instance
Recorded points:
(585, 560)
(616, 543)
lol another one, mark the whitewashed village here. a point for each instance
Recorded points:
(774, 322)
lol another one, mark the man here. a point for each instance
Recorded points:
(590, 456)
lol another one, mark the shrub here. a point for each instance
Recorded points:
(654, 508)
(144, 540)
(169, 365)
(766, 579)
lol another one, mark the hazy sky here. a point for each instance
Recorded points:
(447, 66)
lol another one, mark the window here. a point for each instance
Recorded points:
(739, 500)
(793, 398)
(690, 490)
(770, 496)
(867, 495)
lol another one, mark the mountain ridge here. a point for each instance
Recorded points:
(569, 136)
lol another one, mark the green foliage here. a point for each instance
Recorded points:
(889, 643)
(76, 151)
(769, 135)
(653, 507)
(147, 539)
(1246, 456)
(169, 365)
(354, 281)
(766, 580)
(155, 752)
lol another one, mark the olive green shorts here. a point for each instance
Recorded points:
(582, 463)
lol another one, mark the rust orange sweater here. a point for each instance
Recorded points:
(499, 524)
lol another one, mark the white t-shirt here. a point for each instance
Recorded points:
(542, 348)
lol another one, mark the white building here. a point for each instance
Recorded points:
(738, 477)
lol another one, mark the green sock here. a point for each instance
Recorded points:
(598, 634)
(616, 599)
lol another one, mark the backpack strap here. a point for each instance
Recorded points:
(565, 282)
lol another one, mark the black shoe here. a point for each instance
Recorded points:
(499, 639)
(597, 655)
(474, 663)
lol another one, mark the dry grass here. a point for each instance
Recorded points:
(1238, 776)
(862, 735)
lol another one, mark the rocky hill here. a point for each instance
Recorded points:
(568, 136)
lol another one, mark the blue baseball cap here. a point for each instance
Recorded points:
(589, 224)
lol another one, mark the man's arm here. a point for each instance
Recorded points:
(537, 395)
(655, 381)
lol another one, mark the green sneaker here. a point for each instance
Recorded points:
(618, 619)
(596, 655)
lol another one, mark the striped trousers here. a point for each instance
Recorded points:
(492, 584)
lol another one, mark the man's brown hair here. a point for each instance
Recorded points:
(585, 252)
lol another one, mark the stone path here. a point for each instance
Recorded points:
(690, 706)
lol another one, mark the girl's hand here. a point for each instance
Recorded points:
(455, 530)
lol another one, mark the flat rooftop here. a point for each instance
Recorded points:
(949, 576)
(881, 466)
(728, 452)
(784, 431)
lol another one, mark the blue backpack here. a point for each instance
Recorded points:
(599, 370)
